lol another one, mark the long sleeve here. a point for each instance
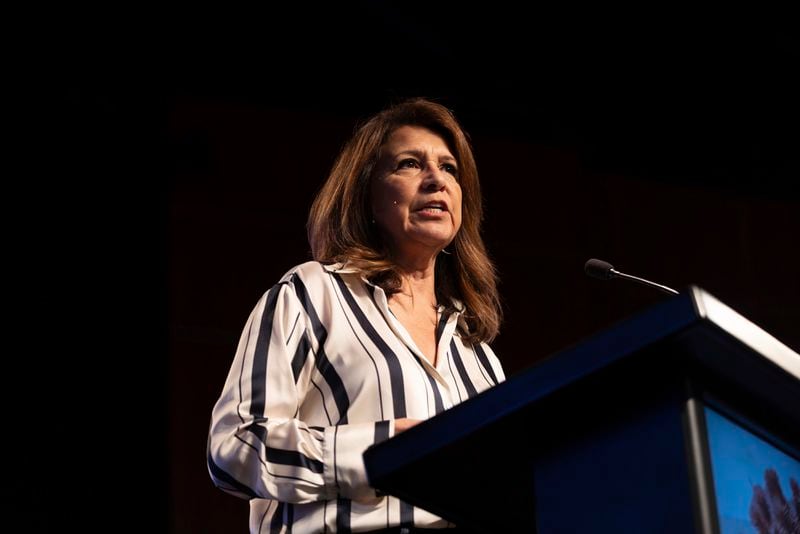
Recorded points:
(259, 447)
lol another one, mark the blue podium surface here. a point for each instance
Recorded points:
(633, 430)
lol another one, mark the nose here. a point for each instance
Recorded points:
(435, 178)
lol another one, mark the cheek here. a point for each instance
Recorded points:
(378, 197)
(387, 201)
(459, 203)
(389, 198)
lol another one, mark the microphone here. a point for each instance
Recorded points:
(605, 271)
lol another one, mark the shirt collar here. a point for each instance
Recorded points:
(339, 268)
(344, 268)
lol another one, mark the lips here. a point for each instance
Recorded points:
(434, 205)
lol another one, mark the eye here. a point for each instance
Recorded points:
(450, 169)
(408, 163)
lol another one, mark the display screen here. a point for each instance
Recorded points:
(756, 484)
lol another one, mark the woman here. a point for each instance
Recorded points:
(388, 326)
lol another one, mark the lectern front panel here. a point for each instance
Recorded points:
(751, 477)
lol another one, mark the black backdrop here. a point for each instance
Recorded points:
(181, 151)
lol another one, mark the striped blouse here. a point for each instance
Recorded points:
(321, 371)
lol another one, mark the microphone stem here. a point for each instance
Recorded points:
(665, 289)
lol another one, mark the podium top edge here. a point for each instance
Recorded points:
(709, 307)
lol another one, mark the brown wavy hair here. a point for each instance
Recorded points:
(340, 229)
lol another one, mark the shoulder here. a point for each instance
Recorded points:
(315, 278)
(305, 271)
(314, 270)
(314, 287)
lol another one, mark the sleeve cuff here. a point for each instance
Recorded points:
(344, 470)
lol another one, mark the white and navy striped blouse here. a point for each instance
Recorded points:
(322, 369)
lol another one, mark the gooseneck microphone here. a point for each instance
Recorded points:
(605, 271)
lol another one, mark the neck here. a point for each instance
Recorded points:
(418, 263)
(418, 281)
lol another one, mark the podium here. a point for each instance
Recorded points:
(663, 423)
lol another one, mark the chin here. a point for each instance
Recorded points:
(432, 238)
(436, 242)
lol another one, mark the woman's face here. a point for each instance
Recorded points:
(416, 197)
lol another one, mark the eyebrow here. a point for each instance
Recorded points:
(419, 154)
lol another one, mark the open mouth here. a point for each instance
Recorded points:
(433, 207)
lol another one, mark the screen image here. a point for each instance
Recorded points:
(756, 484)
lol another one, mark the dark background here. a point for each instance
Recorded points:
(180, 151)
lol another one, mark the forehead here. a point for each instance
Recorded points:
(416, 138)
